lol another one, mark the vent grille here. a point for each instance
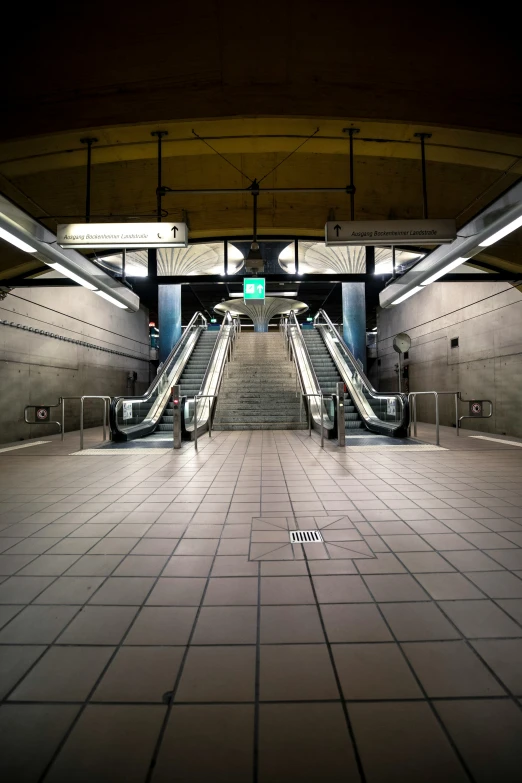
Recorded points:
(305, 537)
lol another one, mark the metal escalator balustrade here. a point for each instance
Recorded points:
(328, 377)
(191, 378)
(379, 412)
(137, 416)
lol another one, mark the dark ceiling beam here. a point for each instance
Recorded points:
(373, 281)
(36, 282)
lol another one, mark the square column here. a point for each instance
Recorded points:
(169, 317)
(354, 320)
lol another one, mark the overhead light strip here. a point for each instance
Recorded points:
(72, 275)
(407, 295)
(502, 233)
(14, 240)
(444, 271)
(500, 218)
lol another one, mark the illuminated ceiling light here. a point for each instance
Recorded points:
(444, 271)
(73, 276)
(502, 233)
(111, 299)
(9, 237)
(407, 295)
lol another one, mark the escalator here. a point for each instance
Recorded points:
(196, 364)
(323, 360)
(191, 378)
(329, 376)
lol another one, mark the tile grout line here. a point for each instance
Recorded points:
(87, 701)
(170, 705)
(421, 687)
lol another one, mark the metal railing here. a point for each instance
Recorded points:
(457, 395)
(61, 404)
(106, 406)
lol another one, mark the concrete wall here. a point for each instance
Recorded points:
(37, 369)
(487, 319)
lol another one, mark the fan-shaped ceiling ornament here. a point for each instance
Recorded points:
(197, 259)
(261, 311)
(317, 258)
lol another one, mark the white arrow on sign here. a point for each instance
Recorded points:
(260, 289)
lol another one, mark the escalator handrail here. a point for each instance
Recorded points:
(167, 366)
(402, 398)
(320, 416)
(353, 360)
(228, 321)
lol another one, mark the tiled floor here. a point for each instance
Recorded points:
(157, 625)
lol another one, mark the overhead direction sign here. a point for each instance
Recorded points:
(254, 288)
(122, 235)
(390, 232)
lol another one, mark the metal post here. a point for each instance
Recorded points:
(437, 418)
(63, 416)
(457, 422)
(225, 257)
(300, 409)
(393, 261)
(423, 137)
(322, 422)
(400, 372)
(104, 419)
(351, 132)
(89, 142)
(309, 418)
(176, 417)
(81, 424)
(296, 256)
(341, 425)
(159, 194)
(123, 261)
(196, 422)
(415, 416)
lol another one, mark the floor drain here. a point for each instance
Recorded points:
(305, 537)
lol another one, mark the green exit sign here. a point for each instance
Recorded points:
(254, 288)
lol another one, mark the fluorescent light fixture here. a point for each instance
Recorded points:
(16, 242)
(502, 233)
(405, 296)
(110, 299)
(444, 271)
(72, 275)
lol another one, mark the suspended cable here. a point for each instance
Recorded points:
(222, 156)
(289, 155)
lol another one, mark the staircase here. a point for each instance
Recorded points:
(192, 376)
(328, 375)
(259, 393)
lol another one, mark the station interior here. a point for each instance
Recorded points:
(261, 372)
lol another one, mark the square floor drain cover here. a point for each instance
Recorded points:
(305, 537)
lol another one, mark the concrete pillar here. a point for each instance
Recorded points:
(354, 320)
(169, 316)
